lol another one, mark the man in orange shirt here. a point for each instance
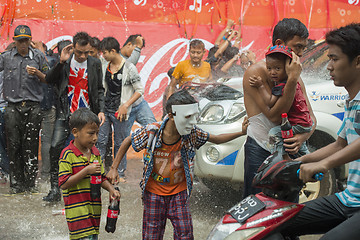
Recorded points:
(193, 69)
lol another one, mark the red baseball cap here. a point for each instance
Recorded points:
(280, 49)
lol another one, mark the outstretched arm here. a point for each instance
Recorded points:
(229, 63)
(225, 44)
(222, 138)
(326, 158)
(113, 175)
(226, 30)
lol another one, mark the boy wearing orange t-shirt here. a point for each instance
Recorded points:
(169, 159)
(193, 69)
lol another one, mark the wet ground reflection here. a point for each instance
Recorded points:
(27, 217)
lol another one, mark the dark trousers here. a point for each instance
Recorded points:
(22, 124)
(4, 160)
(254, 157)
(47, 127)
(326, 215)
(60, 135)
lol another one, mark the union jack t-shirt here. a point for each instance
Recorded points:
(78, 85)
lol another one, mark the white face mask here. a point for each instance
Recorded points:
(185, 117)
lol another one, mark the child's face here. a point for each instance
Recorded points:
(196, 54)
(276, 69)
(86, 137)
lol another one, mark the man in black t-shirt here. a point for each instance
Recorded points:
(123, 90)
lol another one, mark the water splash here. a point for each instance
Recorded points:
(122, 16)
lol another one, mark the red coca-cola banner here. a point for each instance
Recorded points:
(167, 25)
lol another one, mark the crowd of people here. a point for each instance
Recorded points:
(86, 97)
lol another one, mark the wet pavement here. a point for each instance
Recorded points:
(28, 217)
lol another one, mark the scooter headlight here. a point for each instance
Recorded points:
(221, 231)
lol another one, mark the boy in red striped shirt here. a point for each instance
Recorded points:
(76, 164)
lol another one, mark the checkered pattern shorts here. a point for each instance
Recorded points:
(159, 208)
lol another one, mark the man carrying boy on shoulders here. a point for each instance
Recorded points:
(292, 33)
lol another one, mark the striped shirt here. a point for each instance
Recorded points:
(351, 196)
(82, 212)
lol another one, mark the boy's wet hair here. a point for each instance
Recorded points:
(347, 38)
(81, 38)
(81, 117)
(132, 39)
(95, 43)
(288, 28)
(196, 43)
(181, 97)
(110, 43)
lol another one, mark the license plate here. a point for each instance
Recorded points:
(247, 208)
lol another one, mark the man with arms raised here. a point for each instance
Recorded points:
(292, 33)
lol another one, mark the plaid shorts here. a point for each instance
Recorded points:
(159, 208)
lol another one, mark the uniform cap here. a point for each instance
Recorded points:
(21, 32)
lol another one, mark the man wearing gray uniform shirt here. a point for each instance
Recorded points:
(24, 69)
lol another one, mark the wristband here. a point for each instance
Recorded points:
(224, 38)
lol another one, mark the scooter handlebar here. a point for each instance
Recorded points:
(317, 176)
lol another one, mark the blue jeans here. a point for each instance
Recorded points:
(140, 113)
(120, 133)
(254, 157)
(4, 160)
